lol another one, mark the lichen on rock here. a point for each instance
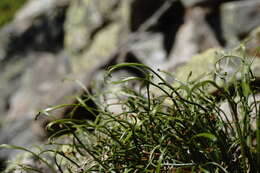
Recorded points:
(199, 65)
(98, 51)
(92, 30)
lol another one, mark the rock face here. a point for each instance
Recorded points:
(195, 35)
(239, 18)
(41, 27)
(55, 39)
(149, 50)
(206, 63)
(33, 64)
(253, 44)
(90, 25)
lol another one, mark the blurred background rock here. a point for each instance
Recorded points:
(43, 42)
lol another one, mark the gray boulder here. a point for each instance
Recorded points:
(40, 86)
(38, 26)
(149, 50)
(193, 37)
(93, 30)
(32, 63)
(239, 18)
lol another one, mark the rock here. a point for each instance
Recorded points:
(19, 133)
(83, 19)
(227, 117)
(92, 31)
(34, 9)
(10, 82)
(253, 46)
(193, 37)
(149, 50)
(39, 23)
(29, 160)
(40, 86)
(238, 19)
(190, 3)
(37, 27)
(99, 51)
(37, 83)
(205, 61)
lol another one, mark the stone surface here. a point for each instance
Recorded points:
(32, 79)
(98, 52)
(253, 46)
(228, 116)
(83, 19)
(93, 29)
(36, 90)
(149, 50)
(193, 37)
(199, 65)
(9, 79)
(32, 64)
(239, 18)
(36, 27)
(202, 65)
(39, 24)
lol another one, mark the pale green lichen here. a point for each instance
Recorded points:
(85, 18)
(102, 46)
(93, 29)
(202, 66)
(199, 65)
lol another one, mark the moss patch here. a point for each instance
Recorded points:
(8, 9)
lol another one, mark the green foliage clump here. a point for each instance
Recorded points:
(8, 9)
(162, 128)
